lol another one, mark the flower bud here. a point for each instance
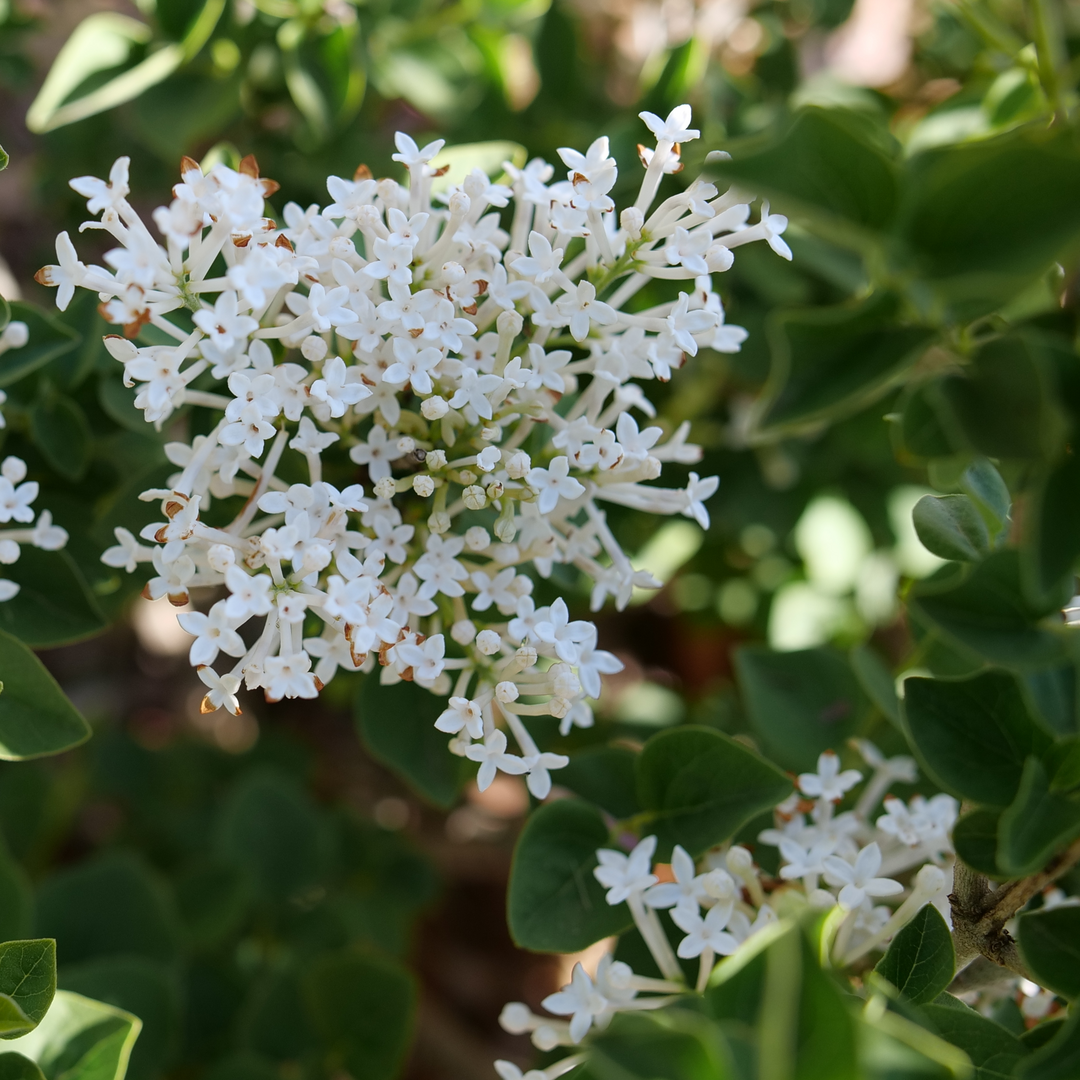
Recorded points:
(488, 642)
(719, 258)
(505, 529)
(477, 538)
(406, 444)
(491, 433)
(632, 219)
(385, 488)
(509, 323)
(507, 692)
(518, 466)
(651, 469)
(474, 497)
(495, 490)
(341, 247)
(466, 477)
(463, 632)
(545, 1037)
(434, 408)
(314, 348)
(423, 485)
(740, 861)
(459, 204)
(719, 884)
(15, 336)
(558, 707)
(220, 557)
(930, 880)
(436, 459)
(525, 657)
(516, 1018)
(439, 522)
(453, 273)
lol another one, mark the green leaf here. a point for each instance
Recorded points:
(975, 837)
(1050, 945)
(829, 164)
(876, 679)
(4, 159)
(138, 985)
(36, 719)
(605, 776)
(107, 905)
(675, 1044)
(53, 605)
(1019, 181)
(921, 961)
(1053, 544)
(101, 42)
(397, 724)
(699, 787)
(1006, 402)
(951, 526)
(972, 735)
(984, 609)
(800, 703)
(270, 828)
(80, 1039)
(993, 1051)
(831, 361)
(17, 1067)
(1037, 824)
(1059, 1059)
(49, 338)
(27, 984)
(983, 483)
(1052, 693)
(362, 1008)
(61, 432)
(16, 897)
(554, 903)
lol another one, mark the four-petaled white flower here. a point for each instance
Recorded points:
(828, 782)
(492, 755)
(859, 880)
(623, 874)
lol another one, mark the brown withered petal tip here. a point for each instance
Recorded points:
(241, 241)
(362, 172)
(441, 172)
(206, 707)
(43, 277)
(269, 187)
(188, 165)
(249, 166)
(178, 599)
(283, 241)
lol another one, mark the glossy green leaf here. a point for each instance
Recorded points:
(61, 432)
(605, 776)
(972, 735)
(800, 703)
(362, 1008)
(27, 984)
(1052, 694)
(699, 787)
(1037, 825)
(36, 719)
(975, 837)
(951, 526)
(397, 724)
(985, 610)
(81, 1039)
(108, 905)
(53, 606)
(148, 988)
(4, 159)
(270, 828)
(17, 1067)
(1050, 944)
(49, 338)
(1018, 181)
(554, 903)
(921, 961)
(829, 164)
(993, 1051)
(828, 362)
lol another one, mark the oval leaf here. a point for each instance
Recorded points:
(1050, 944)
(921, 961)
(554, 903)
(951, 526)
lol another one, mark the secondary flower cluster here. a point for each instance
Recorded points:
(17, 493)
(474, 353)
(724, 899)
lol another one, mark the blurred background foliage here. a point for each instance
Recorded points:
(211, 873)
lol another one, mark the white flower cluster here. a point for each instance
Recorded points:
(473, 355)
(727, 899)
(17, 493)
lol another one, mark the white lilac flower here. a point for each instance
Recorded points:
(859, 880)
(828, 782)
(430, 346)
(623, 875)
